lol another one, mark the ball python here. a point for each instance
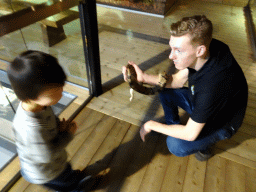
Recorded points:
(138, 86)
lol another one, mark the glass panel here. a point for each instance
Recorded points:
(11, 45)
(10, 6)
(8, 105)
(8, 101)
(58, 35)
(127, 36)
(5, 7)
(150, 6)
(122, 38)
(253, 10)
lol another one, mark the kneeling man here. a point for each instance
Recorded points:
(216, 96)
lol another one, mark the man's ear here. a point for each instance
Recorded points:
(201, 50)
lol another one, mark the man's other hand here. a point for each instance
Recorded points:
(139, 72)
(145, 130)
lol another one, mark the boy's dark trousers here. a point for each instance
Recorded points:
(68, 181)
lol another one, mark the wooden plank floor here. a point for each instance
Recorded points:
(112, 149)
(107, 143)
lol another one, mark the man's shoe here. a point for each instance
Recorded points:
(84, 180)
(203, 156)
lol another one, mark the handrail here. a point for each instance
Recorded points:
(23, 18)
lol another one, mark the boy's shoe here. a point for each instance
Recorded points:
(82, 183)
(203, 156)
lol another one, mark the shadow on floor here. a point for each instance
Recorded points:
(128, 159)
(131, 157)
(124, 161)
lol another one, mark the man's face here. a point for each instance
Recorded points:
(183, 53)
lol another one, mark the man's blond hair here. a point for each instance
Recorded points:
(198, 27)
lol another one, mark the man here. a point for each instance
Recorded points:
(216, 97)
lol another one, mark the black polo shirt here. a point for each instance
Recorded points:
(218, 91)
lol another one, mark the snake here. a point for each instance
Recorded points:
(139, 87)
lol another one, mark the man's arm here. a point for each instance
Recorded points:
(188, 132)
(178, 79)
(175, 81)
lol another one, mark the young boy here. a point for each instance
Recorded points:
(41, 138)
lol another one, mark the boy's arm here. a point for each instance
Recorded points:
(56, 142)
(66, 130)
(61, 140)
(38, 137)
(43, 144)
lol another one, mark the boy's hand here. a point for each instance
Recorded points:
(67, 126)
(73, 127)
(62, 125)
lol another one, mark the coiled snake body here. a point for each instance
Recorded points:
(138, 86)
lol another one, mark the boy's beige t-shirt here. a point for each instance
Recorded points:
(40, 146)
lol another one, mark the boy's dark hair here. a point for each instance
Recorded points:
(32, 72)
(199, 27)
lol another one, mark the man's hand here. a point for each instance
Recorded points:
(188, 132)
(145, 129)
(139, 72)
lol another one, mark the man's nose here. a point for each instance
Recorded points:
(171, 56)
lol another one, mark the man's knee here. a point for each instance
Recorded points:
(167, 96)
(163, 94)
(175, 147)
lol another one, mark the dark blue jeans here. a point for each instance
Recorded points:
(171, 99)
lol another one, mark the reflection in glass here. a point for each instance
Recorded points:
(10, 6)
(150, 6)
(58, 35)
(7, 102)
